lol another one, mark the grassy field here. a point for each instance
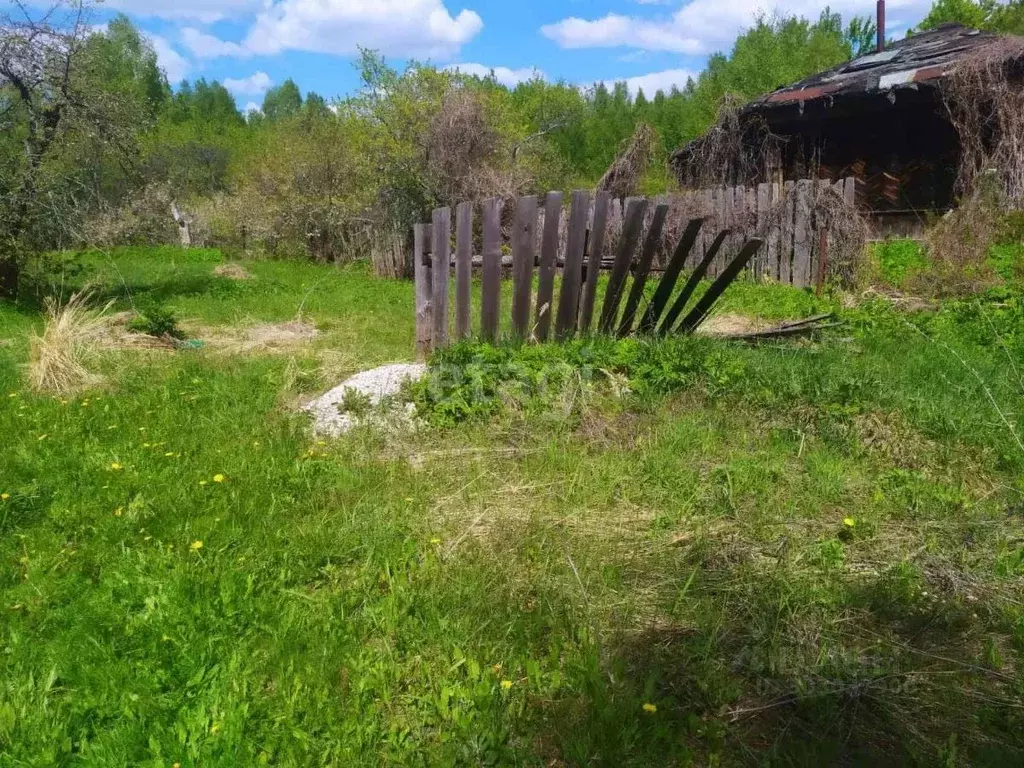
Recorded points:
(633, 553)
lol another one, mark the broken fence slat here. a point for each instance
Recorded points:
(548, 260)
(631, 226)
(424, 291)
(599, 228)
(442, 234)
(697, 316)
(463, 269)
(643, 269)
(524, 239)
(680, 258)
(572, 270)
(691, 285)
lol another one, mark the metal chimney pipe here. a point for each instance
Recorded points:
(880, 23)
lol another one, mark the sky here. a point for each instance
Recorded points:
(252, 45)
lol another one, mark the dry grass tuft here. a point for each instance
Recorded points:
(267, 338)
(58, 357)
(232, 271)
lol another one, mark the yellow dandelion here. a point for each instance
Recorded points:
(435, 540)
(218, 478)
(849, 522)
(506, 684)
(195, 546)
(115, 466)
(4, 496)
(650, 708)
(119, 511)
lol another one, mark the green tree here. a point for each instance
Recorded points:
(284, 100)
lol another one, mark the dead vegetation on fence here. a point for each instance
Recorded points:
(622, 179)
(734, 149)
(984, 97)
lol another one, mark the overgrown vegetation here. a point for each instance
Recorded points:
(608, 552)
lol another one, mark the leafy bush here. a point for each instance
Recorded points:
(157, 321)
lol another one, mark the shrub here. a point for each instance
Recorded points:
(157, 321)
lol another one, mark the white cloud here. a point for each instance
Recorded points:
(257, 82)
(174, 65)
(252, 106)
(703, 26)
(206, 11)
(206, 46)
(655, 81)
(407, 28)
(504, 75)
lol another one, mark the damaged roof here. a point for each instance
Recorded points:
(917, 59)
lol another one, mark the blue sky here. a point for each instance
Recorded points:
(251, 45)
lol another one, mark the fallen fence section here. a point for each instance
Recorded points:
(624, 308)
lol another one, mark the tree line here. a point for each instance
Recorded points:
(97, 147)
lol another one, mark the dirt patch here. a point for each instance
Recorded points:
(267, 338)
(232, 272)
(729, 324)
(115, 334)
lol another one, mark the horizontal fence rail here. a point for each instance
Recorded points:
(769, 230)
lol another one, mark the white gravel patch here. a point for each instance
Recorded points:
(330, 421)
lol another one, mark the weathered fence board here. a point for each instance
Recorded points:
(442, 257)
(424, 290)
(643, 269)
(691, 285)
(572, 271)
(707, 301)
(802, 234)
(632, 222)
(524, 242)
(491, 279)
(671, 275)
(602, 210)
(548, 261)
(463, 268)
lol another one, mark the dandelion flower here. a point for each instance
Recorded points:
(849, 522)
(218, 478)
(506, 684)
(119, 511)
(195, 546)
(4, 496)
(115, 466)
(435, 540)
(650, 708)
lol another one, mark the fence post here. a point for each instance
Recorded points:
(524, 243)
(596, 248)
(572, 271)
(491, 281)
(424, 290)
(548, 263)
(463, 268)
(442, 237)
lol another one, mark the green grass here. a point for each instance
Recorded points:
(798, 554)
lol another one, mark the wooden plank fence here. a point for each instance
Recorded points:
(771, 231)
